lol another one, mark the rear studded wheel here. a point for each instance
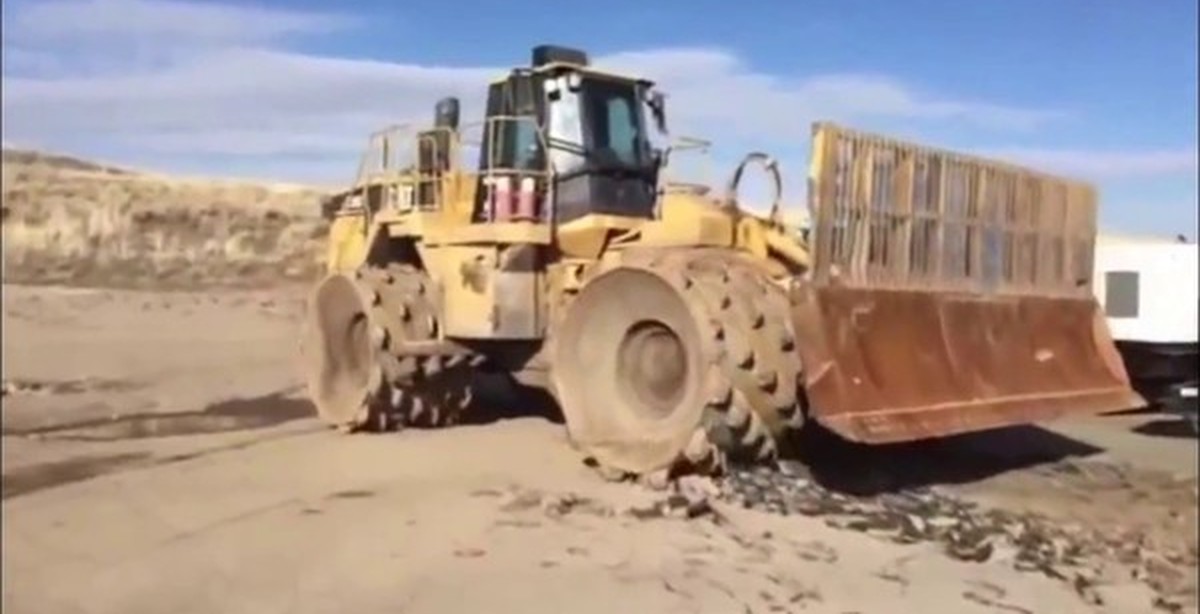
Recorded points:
(358, 362)
(344, 375)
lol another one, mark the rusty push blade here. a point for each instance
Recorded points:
(949, 293)
(888, 366)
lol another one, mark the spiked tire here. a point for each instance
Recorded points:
(372, 353)
(762, 349)
(732, 423)
(747, 366)
(759, 361)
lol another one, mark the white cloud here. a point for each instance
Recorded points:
(170, 21)
(1104, 164)
(715, 85)
(182, 84)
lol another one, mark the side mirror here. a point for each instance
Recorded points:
(658, 109)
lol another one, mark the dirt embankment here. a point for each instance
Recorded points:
(71, 221)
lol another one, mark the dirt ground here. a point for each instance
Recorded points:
(159, 457)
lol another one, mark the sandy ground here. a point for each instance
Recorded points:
(159, 457)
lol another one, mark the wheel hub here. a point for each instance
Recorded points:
(653, 367)
(628, 358)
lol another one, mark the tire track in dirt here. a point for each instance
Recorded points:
(259, 413)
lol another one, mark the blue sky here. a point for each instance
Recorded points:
(1106, 91)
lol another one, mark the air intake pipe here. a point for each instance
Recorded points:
(446, 113)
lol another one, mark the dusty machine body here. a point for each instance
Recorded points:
(940, 294)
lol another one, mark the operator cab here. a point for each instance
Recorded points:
(596, 138)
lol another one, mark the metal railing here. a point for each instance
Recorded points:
(698, 180)
(405, 168)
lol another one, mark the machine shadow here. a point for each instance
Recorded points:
(865, 470)
(835, 463)
(1176, 427)
(497, 397)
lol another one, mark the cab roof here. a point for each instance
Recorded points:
(552, 67)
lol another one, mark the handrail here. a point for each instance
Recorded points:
(394, 154)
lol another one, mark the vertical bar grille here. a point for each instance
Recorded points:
(890, 214)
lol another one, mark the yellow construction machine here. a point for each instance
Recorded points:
(934, 294)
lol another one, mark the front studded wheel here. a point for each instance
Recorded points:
(632, 372)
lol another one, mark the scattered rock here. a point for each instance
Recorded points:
(559, 505)
(968, 547)
(792, 469)
(693, 495)
(1079, 556)
(1084, 582)
(486, 492)
(1167, 604)
(697, 488)
(1070, 553)
(522, 500)
(551, 505)
(657, 480)
(645, 512)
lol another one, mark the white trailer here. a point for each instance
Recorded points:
(1148, 288)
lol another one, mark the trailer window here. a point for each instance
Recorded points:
(1121, 294)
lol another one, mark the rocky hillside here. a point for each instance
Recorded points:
(72, 221)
